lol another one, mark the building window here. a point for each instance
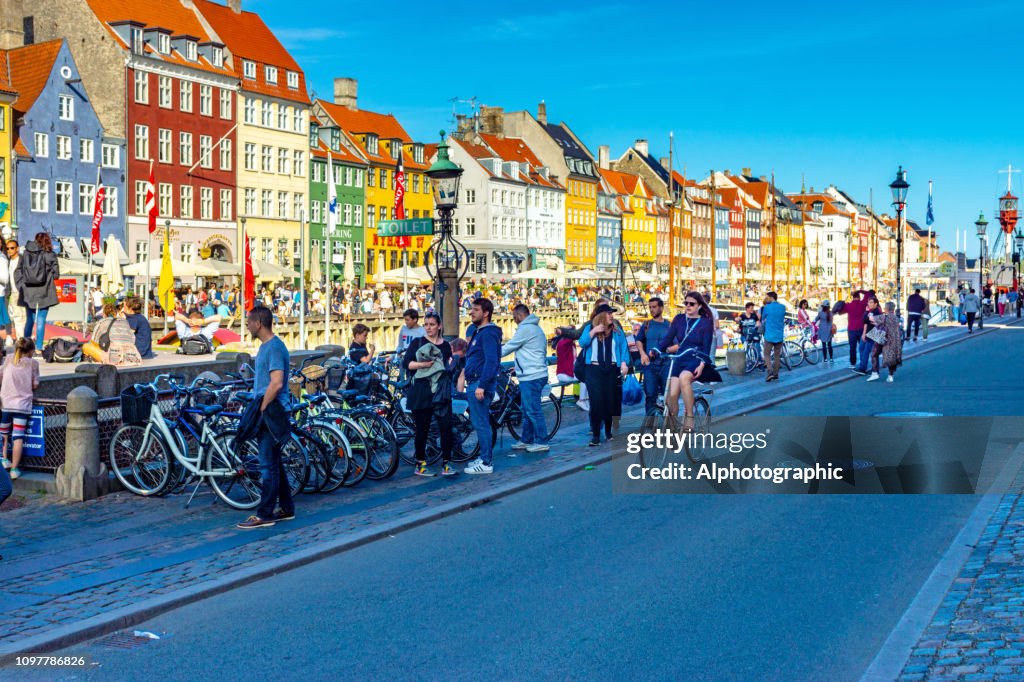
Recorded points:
(250, 201)
(206, 100)
(206, 203)
(282, 161)
(266, 115)
(383, 178)
(372, 144)
(282, 204)
(225, 155)
(266, 203)
(39, 192)
(66, 107)
(186, 201)
(141, 142)
(470, 227)
(270, 74)
(371, 215)
(299, 164)
(225, 204)
(249, 69)
(63, 147)
(250, 156)
(185, 95)
(314, 212)
(357, 217)
(396, 149)
(297, 120)
(347, 214)
(188, 252)
(481, 263)
(164, 145)
(141, 87)
(359, 177)
(164, 195)
(110, 202)
(298, 204)
(140, 197)
(141, 251)
(225, 104)
(3, 175)
(85, 198)
(383, 212)
(62, 197)
(163, 92)
(138, 42)
(282, 117)
(415, 182)
(218, 57)
(266, 158)
(191, 50)
(206, 151)
(371, 178)
(293, 80)
(185, 148)
(42, 144)
(250, 110)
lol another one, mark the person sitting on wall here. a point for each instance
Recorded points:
(196, 325)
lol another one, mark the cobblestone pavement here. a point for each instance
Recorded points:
(64, 563)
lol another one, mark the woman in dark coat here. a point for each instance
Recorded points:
(692, 334)
(41, 294)
(428, 399)
(607, 359)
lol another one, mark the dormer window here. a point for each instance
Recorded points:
(191, 50)
(293, 80)
(249, 69)
(396, 149)
(218, 57)
(270, 74)
(138, 44)
(163, 42)
(314, 134)
(335, 139)
(371, 143)
(818, 206)
(417, 153)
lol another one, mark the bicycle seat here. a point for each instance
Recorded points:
(205, 410)
(245, 396)
(349, 393)
(316, 399)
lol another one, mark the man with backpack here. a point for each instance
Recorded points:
(196, 332)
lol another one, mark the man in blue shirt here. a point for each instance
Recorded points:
(654, 369)
(269, 386)
(479, 378)
(773, 322)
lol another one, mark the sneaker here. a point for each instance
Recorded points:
(860, 372)
(15, 473)
(537, 447)
(873, 377)
(594, 442)
(255, 522)
(6, 463)
(423, 470)
(521, 446)
(889, 379)
(584, 405)
(282, 515)
(447, 470)
(477, 466)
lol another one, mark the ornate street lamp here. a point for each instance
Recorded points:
(899, 188)
(1018, 251)
(982, 226)
(449, 259)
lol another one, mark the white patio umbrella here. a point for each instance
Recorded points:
(350, 268)
(181, 269)
(72, 266)
(111, 278)
(540, 273)
(643, 276)
(398, 276)
(379, 269)
(223, 268)
(315, 271)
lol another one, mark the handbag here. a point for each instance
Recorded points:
(579, 367)
(632, 393)
(877, 335)
(963, 318)
(835, 329)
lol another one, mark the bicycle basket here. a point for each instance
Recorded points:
(136, 404)
(335, 369)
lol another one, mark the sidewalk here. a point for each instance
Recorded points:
(74, 571)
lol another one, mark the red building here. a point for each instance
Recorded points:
(181, 120)
(731, 199)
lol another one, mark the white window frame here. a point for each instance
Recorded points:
(225, 204)
(206, 100)
(41, 145)
(164, 99)
(249, 69)
(165, 199)
(39, 193)
(86, 150)
(293, 80)
(225, 104)
(63, 147)
(185, 148)
(225, 155)
(141, 142)
(140, 197)
(206, 203)
(250, 156)
(206, 151)
(186, 90)
(163, 149)
(141, 87)
(110, 202)
(185, 205)
(250, 110)
(66, 108)
(270, 74)
(86, 197)
(62, 197)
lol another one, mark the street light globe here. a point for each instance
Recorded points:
(444, 178)
(981, 224)
(1018, 240)
(899, 188)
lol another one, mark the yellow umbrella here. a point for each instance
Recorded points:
(165, 288)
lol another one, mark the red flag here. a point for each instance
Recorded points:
(248, 277)
(400, 190)
(97, 218)
(151, 200)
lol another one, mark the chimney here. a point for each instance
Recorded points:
(604, 157)
(492, 121)
(12, 24)
(235, 5)
(763, 178)
(664, 162)
(542, 113)
(345, 90)
(641, 146)
(746, 172)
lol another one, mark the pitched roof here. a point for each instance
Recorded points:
(168, 14)
(384, 126)
(623, 183)
(29, 69)
(515, 149)
(5, 74)
(321, 150)
(247, 37)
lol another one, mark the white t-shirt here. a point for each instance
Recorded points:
(406, 336)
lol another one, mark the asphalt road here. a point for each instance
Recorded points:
(569, 581)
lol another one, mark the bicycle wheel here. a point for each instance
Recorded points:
(552, 411)
(338, 450)
(404, 427)
(467, 444)
(810, 352)
(359, 451)
(383, 448)
(236, 479)
(296, 464)
(660, 457)
(140, 459)
(319, 466)
(795, 354)
(753, 359)
(697, 448)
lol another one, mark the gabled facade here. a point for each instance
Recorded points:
(838, 240)
(348, 173)
(639, 221)
(382, 140)
(609, 228)
(702, 230)
(7, 192)
(59, 147)
(272, 112)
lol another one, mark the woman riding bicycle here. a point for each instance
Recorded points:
(692, 334)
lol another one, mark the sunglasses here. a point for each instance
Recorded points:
(689, 303)
(12, 248)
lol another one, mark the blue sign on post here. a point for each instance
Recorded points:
(35, 442)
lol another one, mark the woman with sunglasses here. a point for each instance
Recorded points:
(604, 347)
(694, 331)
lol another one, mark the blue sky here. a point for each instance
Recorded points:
(840, 93)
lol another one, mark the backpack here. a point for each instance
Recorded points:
(63, 349)
(196, 345)
(122, 351)
(33, 268)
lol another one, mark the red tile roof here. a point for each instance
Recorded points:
(29, 69)
(5, 76)
(623, 183)
(21, 150)
(385, 126)
(169, 14)
(247, 37)
(516, 150)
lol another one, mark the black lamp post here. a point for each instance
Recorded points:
(982, 226)
(449, 259)
(899, 188)
(1018, 243)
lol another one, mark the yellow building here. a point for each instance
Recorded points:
(7, 97)
(273, 133)
(382, 140)
(639, 220)
(581, 223)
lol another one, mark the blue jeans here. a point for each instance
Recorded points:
(6, 488)
(864, 350)
(854, 337)
(654, 383)
(274, 484)
(534, 428)
(480, 416)
(40, 324)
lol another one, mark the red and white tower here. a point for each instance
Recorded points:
(1008, 215)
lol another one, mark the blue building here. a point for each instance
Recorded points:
(60, 149)
(721, 243)
(753, 223)
(609, 229)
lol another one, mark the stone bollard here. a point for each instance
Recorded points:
(82, 476)
(108, 383)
